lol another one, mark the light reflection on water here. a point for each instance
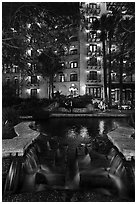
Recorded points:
(79, 128)
(101, 127)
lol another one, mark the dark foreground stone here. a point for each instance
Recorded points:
(61, 196)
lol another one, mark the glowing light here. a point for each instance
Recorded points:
(99, 45)
(29, 64)
(38, 77)
(98, 31)
(28, 25)
(72, 133)
(87, 58)
(28, 91)
(101, 127)
(38, 90)
(29, 51)
(87, 71)
(87, 16)
(83, 87)
(84, 132)
(29, 78)
(87, 31)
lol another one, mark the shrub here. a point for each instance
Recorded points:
(10, 116)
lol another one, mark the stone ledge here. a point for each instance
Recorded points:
(121, 138)
(17, 145)
(91, 115)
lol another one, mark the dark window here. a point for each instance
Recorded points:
(8, 81)
(33, 79)
(33, 92)
(92, 61)
(92, 75)
(94, 92)
(73, 52)
(73, 39)
(16, 81)
(73, 77)
(62, 53)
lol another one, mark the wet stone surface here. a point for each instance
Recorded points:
(60, 196)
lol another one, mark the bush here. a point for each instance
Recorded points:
(10, 101)
(10, 116)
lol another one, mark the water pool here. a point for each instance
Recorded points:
(78, 130)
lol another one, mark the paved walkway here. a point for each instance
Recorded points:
(17, 145)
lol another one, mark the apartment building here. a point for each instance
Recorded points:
(82, 64)
(83, 71)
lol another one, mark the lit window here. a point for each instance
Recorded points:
(73, 64)
(14, 69)
(93, 48)
(61, 77)
(73, 77)
(92, 19)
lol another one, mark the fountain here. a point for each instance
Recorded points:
(69, 171)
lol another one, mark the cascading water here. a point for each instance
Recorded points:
(68, 168)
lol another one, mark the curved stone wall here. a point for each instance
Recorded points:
(17, 145)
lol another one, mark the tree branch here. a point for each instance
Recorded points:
(12, 46)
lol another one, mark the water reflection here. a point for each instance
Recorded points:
(71, 133)
(101, 127)
(84, 132)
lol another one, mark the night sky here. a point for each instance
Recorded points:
(57, 8)
(60, 8)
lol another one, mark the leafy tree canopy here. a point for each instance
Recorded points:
(30, 29)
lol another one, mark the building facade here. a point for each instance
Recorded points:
(82, 64)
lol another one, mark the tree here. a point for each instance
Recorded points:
(111, 23)
(49, 64)
(124, 34)
(33, 29)
(116, 27)
(30, 32)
